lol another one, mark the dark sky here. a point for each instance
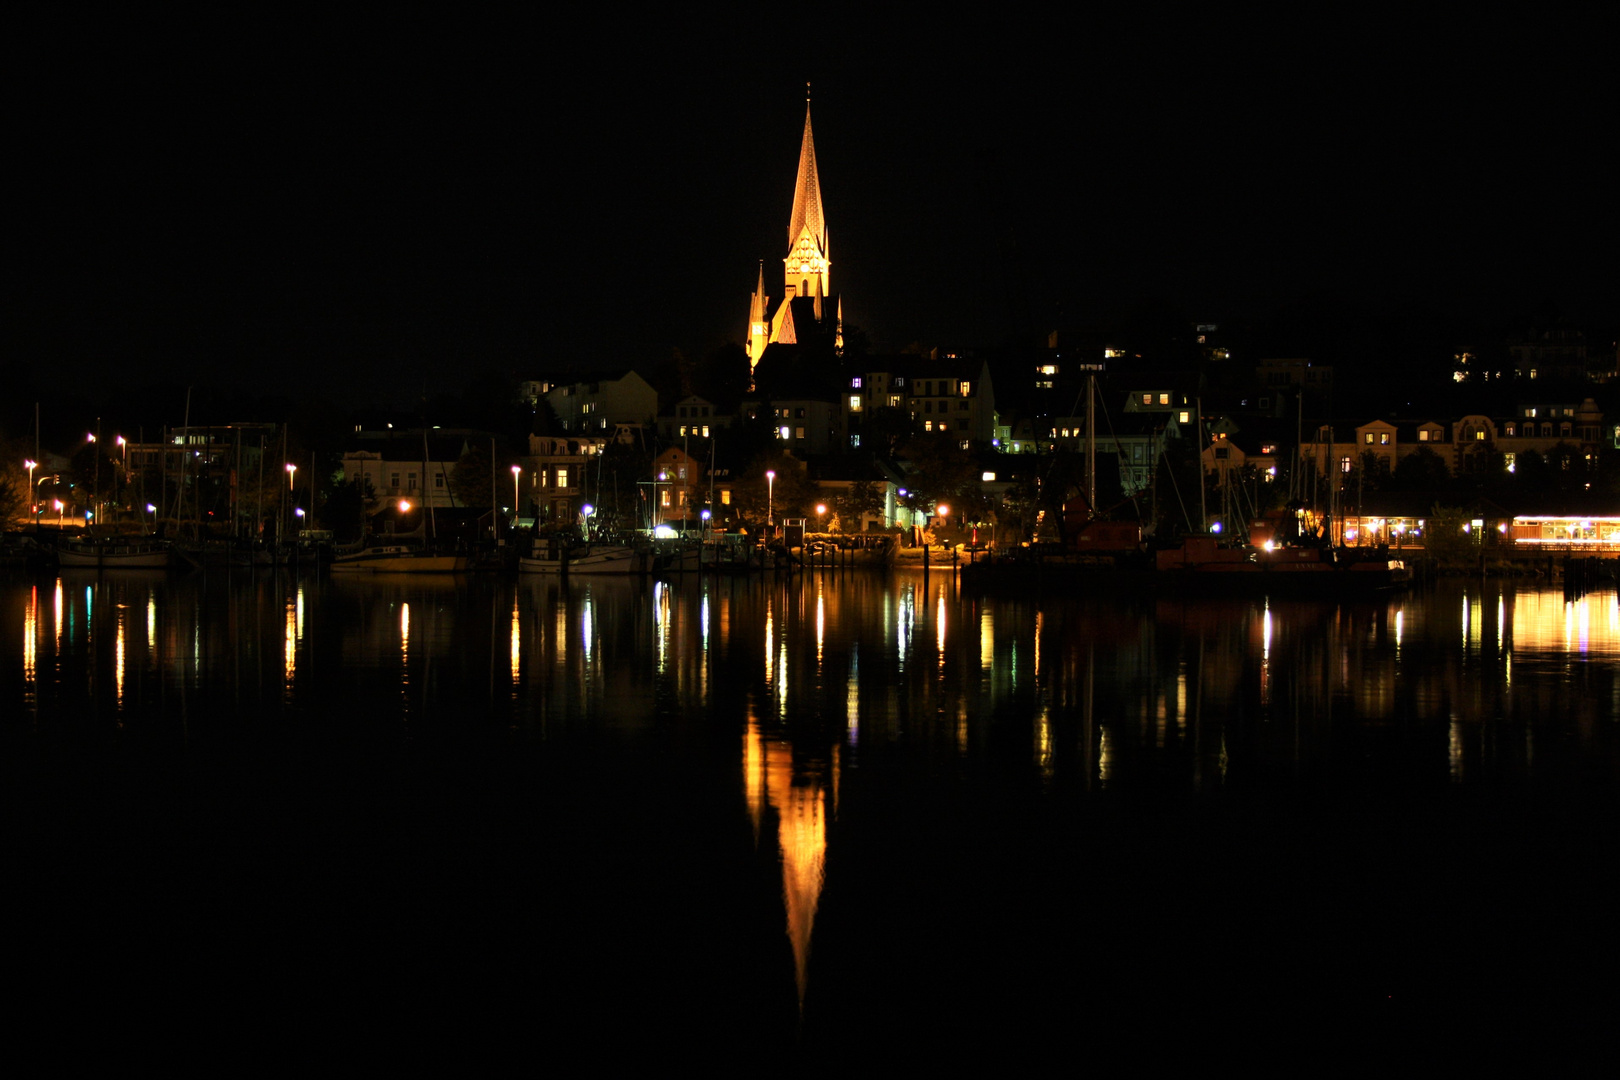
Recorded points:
(382, 204)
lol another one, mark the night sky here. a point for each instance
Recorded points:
(383, 206)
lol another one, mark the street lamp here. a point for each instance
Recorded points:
(291, 468)
(821, 511)
(770, 498)
(404, 506)
(33, 505)
(58, 514)
(517, 471)
(585, 512)
(150, 509)
(704, 514)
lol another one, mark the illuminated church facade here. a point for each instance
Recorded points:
(807, 309)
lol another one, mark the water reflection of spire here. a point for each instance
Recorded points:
(289, 644)
(852, 697)
(517, 642)
(118, 660)
(30, 648)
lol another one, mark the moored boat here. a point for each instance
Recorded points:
(397, 559)
(115, 553)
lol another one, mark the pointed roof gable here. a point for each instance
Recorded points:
(807, 192)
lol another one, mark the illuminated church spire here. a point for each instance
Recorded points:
(759, 333)
(806, 263)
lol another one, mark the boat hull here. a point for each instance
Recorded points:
(390, 561)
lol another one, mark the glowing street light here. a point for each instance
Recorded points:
(291, 468)
(585, 512)
(517, 471)
(33, 507)
(58, 513)
(404, 506)
(770, 497)
(821, 512)
(150, 509)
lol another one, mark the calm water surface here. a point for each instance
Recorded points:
(839, 816)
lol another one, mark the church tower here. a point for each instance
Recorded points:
(803, 309)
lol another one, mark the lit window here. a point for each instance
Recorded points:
(562, 476)
(798, 433)
(1147, 399)
(928, 425)
(1344, 464)
(1164, 399)
(965, 389)
(1479, 434)
(1369, 438)
(725, 496)
(1184, 416)
(1423, 436)
(855, 383)
(705, 431)
(988, 477)
(854, 403)
(786, 433)
(1383, 438)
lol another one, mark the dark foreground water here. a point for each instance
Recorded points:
(849, 822)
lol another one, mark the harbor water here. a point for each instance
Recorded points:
(843, 818)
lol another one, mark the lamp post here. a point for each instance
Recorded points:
(821, 512)
(150, 509)
(585, 512)
(704, 514)
(33, 506)
(517, 471)
(770, 499)
(58, 515)
(291, 469)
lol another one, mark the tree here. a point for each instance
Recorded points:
(470, 480)
(1421, 470)
(852, 505)
(345, 510)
